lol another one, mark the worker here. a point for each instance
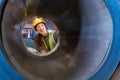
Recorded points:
(45, 40)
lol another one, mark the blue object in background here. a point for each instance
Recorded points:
(34, 33)
(6, 71)
(50, 26)
(0, 2)
(29, 42)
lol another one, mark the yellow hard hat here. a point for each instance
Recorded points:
(36, 21)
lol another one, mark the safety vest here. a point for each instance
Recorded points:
(51, 40)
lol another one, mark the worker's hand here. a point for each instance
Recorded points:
(43, 51)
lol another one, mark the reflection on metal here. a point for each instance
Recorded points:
(31, 6)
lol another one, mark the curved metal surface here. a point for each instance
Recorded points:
(105, 72)
(85, 26)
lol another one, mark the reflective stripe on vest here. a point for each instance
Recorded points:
(51, 40)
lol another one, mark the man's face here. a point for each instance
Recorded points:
(41, 29)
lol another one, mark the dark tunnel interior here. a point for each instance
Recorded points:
(85, 26)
